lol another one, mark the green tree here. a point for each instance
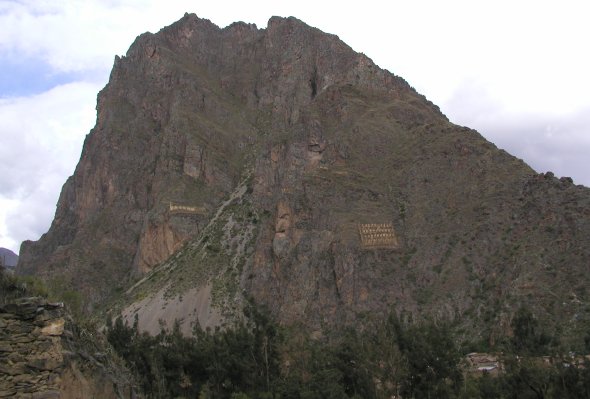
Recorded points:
(571, 381)
(529, 338)
(431, 360)
(353, 361)
(526, 378)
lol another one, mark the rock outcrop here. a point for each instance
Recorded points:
(44, 356)
(289, 142)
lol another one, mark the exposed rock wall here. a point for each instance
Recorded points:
(289, 140)
(42, 356)
(183, 114)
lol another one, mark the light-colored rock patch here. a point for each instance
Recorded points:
(190, 308)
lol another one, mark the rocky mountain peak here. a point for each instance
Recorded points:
(8, 258)
(281, 166)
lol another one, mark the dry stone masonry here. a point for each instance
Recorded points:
(30, 348)
(378, 235)
(41, 356)
(175, 208)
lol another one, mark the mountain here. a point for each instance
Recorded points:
(8, 258)
(281, 167)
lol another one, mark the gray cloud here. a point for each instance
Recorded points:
(557, 142)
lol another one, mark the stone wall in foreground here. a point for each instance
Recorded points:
(43, 355)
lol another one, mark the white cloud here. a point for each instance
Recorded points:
(41, 137)
(7, 238)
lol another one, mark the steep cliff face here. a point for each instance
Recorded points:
(281, 165)
(183, 114)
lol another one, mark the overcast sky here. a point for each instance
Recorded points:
(517, 71)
